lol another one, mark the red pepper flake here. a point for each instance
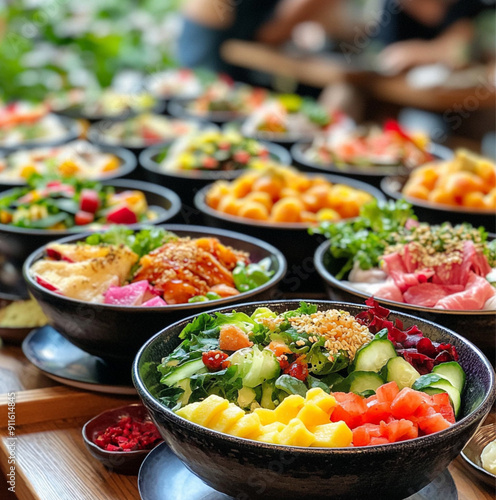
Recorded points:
(215, 360)
(128, 434)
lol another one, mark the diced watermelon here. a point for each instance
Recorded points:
(361, 436)
(442, 405)
(377, 411)
(406, 402)
(83, 218)
(399, 430)
(122, 215)
(89, 200)
(378, 440)
(387, 392)
(433, 423)
(128, 295)
(155, 302)
(351, 410)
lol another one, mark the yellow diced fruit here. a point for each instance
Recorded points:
(289, 408)
(324, 401)
(208, 410)
(269, 437)
(187, 411)
(266, 416)
(113, 164)
(296, 434)
(273, 427)
(227, 418)
(27, 171)
(248, 427)
(333, 435)
(311, 415)
(68, 168)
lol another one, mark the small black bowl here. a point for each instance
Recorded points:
(259, 470)
(73, 131)
(127, 160)
(291, 238)
(370, 174)
(117, 332)
(16, 243)
(120, 462)
(477, 326)
(188, 182)
(437, 213)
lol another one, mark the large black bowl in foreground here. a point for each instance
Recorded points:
(16, 243)
(479, 326)
(249, 469)
(117, 332)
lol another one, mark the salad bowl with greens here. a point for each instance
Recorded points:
(128, 282)
(234, 410)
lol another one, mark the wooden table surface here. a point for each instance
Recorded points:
(52, 462)
(320, 71)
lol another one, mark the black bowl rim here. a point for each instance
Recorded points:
(331, 280)
(128, 159)
(386, 183)
(146, 160)
(73, 130)
(411, 444)
(186, 228)
(177, 107)
(118, 183)
(297, 152)
(90, 443)
(200, 204)
(94, 128)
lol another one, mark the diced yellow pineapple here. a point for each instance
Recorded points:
(296, 434)
(248, 427)
(311, 415)
(266, 416)
(289, 408)
(324, 401)
(227, 418)
(333, 435)
(269, 437)
(208, 410)
(187, 411)
(275, 426)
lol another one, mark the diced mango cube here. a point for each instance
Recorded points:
(323, 400)
(248, 427)
(269, 437)
(311, 415)
(227, 418)
(208, 410)
(275, 426)
(266, 416)
(289, 408)
(187, 411)
(333, 435)
(296, 434)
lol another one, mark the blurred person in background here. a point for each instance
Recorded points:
(207, 24)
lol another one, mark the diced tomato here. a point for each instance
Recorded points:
(387, 392)
(298, 369)
(82, 218)
(361, 436)
(399, 430)
(377, 411)
(351, 410)
(378, 440)
(242, 157)
(423, 410)
(210, 162)
(433, 423)
(122, 215)
(215, 360)
(439, 400)
(232, 338)
(406, 402)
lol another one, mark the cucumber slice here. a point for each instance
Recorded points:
(373, 356)
(359, 381)
(400, 371)
(246, 396)
(243, 359)
(432, 380)
(184, 371)
(264, 367)
(453, 372)
(184, 384)
(267, 391)
(432, 390)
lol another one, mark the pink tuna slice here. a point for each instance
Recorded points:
(155, 302)
(128, 295)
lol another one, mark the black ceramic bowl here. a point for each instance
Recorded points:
(120, 462)
(477, 326)
(180, 109)
(16, 243)
(254, 469)
(291, 238)
(370, 174)
(117, 332)
(73, 130)
(188, 182)
(437, 213)
(127, 160)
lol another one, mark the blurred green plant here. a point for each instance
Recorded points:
(48, 45)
